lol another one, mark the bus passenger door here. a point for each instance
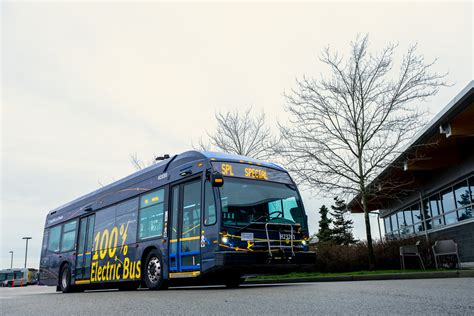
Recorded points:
(185, 237)
(84, 247)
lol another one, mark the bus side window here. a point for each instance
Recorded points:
(69, 236)
(54, 238)
(126, 219)
(151, 216)
(210, 217)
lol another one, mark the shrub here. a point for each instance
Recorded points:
(346, 258)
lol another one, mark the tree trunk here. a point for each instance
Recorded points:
(370, 247)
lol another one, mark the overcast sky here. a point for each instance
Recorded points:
(84, 85)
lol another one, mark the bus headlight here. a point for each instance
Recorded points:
(304, 242)
(225, 239)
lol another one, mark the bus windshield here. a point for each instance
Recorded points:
(249, 201)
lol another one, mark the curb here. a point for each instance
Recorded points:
(388, 276)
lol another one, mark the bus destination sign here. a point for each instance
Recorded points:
(250, 171)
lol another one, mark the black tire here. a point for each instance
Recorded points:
(153, 272)
(65, 279)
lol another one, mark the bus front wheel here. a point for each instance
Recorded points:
(153, 274)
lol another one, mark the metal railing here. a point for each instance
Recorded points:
(280, 246)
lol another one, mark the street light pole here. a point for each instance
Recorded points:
(11, 262)
(26, 251)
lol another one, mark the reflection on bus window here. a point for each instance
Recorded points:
(69, 236)
(246, 201)
(209, 205)
(54, 238)
(151, 215)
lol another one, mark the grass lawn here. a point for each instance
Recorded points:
(319, 274)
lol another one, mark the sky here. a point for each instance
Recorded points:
(84, 85)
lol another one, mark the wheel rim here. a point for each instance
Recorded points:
(154, 269)
(65, 279)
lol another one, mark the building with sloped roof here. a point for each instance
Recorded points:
(437, 172)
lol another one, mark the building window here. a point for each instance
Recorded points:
(449, 204)
(445, 207)
(404, 229)
(435, 205)
(447, 199)
(394, 222)
(438, 221)
(427, 214)
(463, 200)
(471, 185)
(386, 222)
(417, 218)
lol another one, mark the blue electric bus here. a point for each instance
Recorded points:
(194, 218)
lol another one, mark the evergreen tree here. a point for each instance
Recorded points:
(466, 213)
(325, 233)
(342, 227)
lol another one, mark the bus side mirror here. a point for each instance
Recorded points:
(216, 179)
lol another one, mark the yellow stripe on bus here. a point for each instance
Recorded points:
(191, 274)
(83, 281)
(185, 239)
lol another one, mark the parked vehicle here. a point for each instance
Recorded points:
(18, 277)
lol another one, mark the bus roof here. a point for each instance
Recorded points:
(156, 169)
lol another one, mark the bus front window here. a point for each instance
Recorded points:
(249, 201)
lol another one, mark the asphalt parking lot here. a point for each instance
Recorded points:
(432, 296)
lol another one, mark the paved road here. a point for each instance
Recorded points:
(433, 296)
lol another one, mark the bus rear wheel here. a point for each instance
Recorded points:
(153, 274)
(65, 279)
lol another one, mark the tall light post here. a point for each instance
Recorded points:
(26, 251)
(11, 262)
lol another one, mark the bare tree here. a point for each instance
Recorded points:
(345, 129)
(241, 133)
(140, 164)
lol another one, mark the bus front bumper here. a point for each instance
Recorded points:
(261, 262)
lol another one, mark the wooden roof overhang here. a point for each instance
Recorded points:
(444, 142)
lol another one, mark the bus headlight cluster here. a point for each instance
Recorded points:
(225, 239)
(304, 242)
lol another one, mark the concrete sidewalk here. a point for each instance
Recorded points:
(387, 276)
